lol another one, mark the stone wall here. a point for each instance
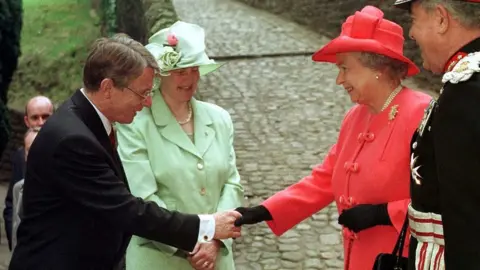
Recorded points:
(327, 16)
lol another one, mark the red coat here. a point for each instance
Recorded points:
(369, 164)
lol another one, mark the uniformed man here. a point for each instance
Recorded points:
(444, 213)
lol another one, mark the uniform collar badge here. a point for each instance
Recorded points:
(463, 69)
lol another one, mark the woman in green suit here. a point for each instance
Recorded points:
(179, 152)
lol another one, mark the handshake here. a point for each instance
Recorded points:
(228, 223)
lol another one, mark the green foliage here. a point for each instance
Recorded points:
(5, 128)
(109, 16)
(10, 28)
(55, 40)
(56, 37)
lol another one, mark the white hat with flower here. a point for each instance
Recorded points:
(181, 45)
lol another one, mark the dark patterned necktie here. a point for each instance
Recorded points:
(113, 139)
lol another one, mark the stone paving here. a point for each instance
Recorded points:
(286, 111)
(234, 28)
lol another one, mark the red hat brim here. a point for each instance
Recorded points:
(343, 44)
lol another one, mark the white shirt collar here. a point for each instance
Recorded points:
(106, 123)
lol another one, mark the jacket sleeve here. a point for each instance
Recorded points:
(133, 152)
(232, 192)
(85, 177)
(457, 155)
(18, 163)
(303, 199)
(397, 210)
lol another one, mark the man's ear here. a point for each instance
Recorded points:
(25, 119)
(442, 19)
(106, 87)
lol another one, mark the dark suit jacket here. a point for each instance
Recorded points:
(18, 172)
(78, 211)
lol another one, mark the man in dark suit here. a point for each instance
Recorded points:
(78, 212)
(37, 111)
(17, 188)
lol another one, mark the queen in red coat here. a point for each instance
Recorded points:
(367, 171)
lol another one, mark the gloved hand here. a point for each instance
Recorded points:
(252, 215)
(364, 216)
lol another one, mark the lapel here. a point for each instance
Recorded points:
(204, 134)
(86, 112)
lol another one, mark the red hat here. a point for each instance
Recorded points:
(367, 31)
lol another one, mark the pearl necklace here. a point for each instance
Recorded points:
(392, 96)
(189, 116)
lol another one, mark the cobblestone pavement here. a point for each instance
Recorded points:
(287, 111)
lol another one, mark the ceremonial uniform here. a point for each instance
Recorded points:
(444, 214)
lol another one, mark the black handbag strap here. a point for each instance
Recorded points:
(398, 249)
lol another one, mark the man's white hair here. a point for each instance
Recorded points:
(468, 14)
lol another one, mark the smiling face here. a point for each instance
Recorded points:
(122, 103)
(428, 30)
(181, 84)
(355, 78)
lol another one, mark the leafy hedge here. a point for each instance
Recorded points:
(10, 29)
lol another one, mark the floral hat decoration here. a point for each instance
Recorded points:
(181, 45)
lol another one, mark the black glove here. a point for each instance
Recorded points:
(364, 216)
(252, 215)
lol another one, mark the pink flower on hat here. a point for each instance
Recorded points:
(172, 40)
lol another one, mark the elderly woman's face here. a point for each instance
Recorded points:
(181, 85)
(355, 77)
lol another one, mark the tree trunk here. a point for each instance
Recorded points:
(10, 30)
(131, 19)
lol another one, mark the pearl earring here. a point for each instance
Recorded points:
(376, 77)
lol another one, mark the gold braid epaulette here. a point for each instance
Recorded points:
(464, 69)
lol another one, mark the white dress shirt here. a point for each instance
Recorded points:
(207, 222)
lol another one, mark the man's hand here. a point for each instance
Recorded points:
(204, 255)
(224, 225)
(252, 215)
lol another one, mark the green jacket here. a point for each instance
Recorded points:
(163, 165)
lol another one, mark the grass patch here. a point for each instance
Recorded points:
(56, 36)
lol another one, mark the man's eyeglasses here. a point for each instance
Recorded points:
(145, 96)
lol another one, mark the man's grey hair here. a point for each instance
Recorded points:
(393, 68)
(120, 58)
(468, 14)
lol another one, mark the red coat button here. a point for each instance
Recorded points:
(369, 137)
